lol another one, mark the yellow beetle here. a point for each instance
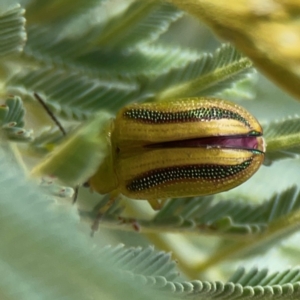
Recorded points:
(180, 148)
(154, 151)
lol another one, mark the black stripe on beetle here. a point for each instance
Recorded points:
(180, 173)
(193, 115)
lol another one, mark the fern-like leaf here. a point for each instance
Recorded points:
(57, 12)
(12, 120)
(242, 88)
(12, 31)
(203, 215)
(254, 284)
(232, 217)
(143, 63)
(50, 248)
(88, 56)
(206, 75)
(78, 158)
(70, 94)
(147, 60)
(47, 140)
(141, 261)
(14, 112)
(143, 22)
(283, 139)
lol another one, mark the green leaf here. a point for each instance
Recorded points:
(143, 22)
(47, 140)
(12, 31)
(281, 215)
(12, 120)
(143, 63)
(241, 89)
(51, 249)
(113, 65)
(73, 95)
(282, 139)
(256, 284)
(88, 56)
(242, 285)
(13, 112)
(205, 216)
(58, 12)
(205, 75)
(80, 155)
(141, 261)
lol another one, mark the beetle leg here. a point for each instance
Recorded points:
(100, 212)
(157, 204)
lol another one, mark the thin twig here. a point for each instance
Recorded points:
(50, 113)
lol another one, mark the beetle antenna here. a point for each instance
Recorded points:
(50, 113)
(61, 128)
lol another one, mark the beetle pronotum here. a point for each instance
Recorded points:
(180, 148)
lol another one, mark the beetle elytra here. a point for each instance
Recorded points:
(180, 148)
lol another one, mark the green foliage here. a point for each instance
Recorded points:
(12, 120)
(12, 31)
(84, 147)
(207, 74)
(42, 253)
(283, 139)
(86, 68)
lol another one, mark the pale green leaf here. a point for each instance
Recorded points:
(47, 140)
(73, 95)
(79, 156)
(141, 261)
(242, 89)
(230, 218)
(44, 255)
(207, 74)
(12, 120)
(143, 22)
(281, 215)
(147, 60)
(282, 139)
(254, 284)
(12, 31)
(88, 56)
(58, 12)
(12, 111)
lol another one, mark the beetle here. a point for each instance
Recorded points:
(160, 150)
(179, 148)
